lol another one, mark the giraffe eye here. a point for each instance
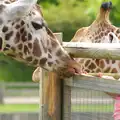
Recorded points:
(37, 26)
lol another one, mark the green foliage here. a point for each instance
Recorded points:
(11, 70)
(66, 17)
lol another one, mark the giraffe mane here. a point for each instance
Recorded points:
(39, 9)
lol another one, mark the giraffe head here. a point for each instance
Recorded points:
(104, 11)
(25, 37)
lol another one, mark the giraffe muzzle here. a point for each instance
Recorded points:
(106, 5)
(74, 67)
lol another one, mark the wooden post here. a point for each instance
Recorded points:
(50, 94)
(44, 96)
(67, 101)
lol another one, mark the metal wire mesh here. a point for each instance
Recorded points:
(86, 104)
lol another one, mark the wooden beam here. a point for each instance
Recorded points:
(50, 93)
(93, 50)
(94, 83)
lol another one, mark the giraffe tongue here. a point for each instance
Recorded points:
(73, 70)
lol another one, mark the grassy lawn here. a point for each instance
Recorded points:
(35, 107)
(19, 108)
(92, 108)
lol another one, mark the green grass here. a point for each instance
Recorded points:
(35, 107)
(93, 108)
(19, 108)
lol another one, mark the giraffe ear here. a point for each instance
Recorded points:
(113, 38)
(19, 8)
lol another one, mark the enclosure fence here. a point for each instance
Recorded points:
(81, 97)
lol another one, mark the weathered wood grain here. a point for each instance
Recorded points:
(93, 50)
(94, 83)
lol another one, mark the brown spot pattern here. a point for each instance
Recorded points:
(35, 62)
(87, 62)
(22, 30)
(20, 46)
(102, 64)
(118, 31)
(30, 45)
(13, 23)
(107, 61)
(24, 36)
(43, 61)
(59, 52)
(7, 45)
(57, 61)
(107, 70)
(50, 51)
(29, 36)
(17, 26)
(113, 61)
(36, 48)
(20, 54)
(8, 35)
(13, 49)
(1, 8)
(5, 29)
(49, 56)
(87, 70)
(17, 38)
(22, 23)
(29, 59)
(114, 70)
(92, 66)
(97, 62)
(98, 70)
(26, 50)
(50, 63)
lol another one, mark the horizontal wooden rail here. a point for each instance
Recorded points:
(94, 83)
(93, 50)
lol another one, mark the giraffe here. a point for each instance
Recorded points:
(26, 37)
(100, 31)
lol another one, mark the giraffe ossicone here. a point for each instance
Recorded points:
(25, 37)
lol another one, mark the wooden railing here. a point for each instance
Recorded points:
(78, 50)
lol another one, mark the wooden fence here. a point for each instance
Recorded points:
(63, 88)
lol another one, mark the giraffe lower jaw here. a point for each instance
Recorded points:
(74, 71)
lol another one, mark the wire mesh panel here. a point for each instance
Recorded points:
(87, 104)
(91, 105)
